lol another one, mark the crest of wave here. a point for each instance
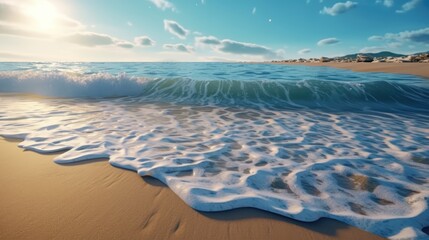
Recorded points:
(66, 84)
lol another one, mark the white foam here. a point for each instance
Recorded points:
(406, 233)
(366, 169)
(66, 84)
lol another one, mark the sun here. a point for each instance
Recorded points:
(44, 14)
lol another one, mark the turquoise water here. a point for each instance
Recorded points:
(303, 142)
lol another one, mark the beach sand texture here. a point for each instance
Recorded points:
(93, 200)
(419, 69)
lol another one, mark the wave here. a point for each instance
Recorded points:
(70, 85)
(365, 168)
(276, 93)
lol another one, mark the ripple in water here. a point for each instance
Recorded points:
(365, 167)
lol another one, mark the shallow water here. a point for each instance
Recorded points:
(303, 142)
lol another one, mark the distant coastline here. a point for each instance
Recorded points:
(415, 64)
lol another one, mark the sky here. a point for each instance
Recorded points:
(208, 30)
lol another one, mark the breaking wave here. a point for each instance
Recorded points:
(275, 93)
(305, 143)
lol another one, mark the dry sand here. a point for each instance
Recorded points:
(94, 200)
(419, 69)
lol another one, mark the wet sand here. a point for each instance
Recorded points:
(418, 69)
(94, 200)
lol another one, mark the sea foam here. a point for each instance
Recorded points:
(343, 150)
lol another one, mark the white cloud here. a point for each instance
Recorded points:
(124, 44)
(13, 30)
(372, 49)
(92, 39)
(89, 39)
(304, 51)
(163, 4)
(210, 40)
(254, 10)
(17, 20)
(144, 41)
(338, 8)
(386, 47)
(396, 40)
(408, 6)
(130, 24)
(234, 47)
(327, 41)
(65, 21)
(387, 3)
(176, 29)
(394, 44)
(12, 13)
(419, 36)
(178, 47)
(375, 38)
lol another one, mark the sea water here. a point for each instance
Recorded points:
(302, 142)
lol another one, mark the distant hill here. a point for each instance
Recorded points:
(427, 52)
(378, 55)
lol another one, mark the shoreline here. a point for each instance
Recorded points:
(417, 69)
(94, 200)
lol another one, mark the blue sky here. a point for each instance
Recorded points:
(208, 30)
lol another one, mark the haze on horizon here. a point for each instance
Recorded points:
(208, 30)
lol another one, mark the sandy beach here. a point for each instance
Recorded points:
(418, 69)
(214, 120)
(94, 200)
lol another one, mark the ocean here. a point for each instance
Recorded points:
(302, 142)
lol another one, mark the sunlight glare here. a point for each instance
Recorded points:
(44, 13)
